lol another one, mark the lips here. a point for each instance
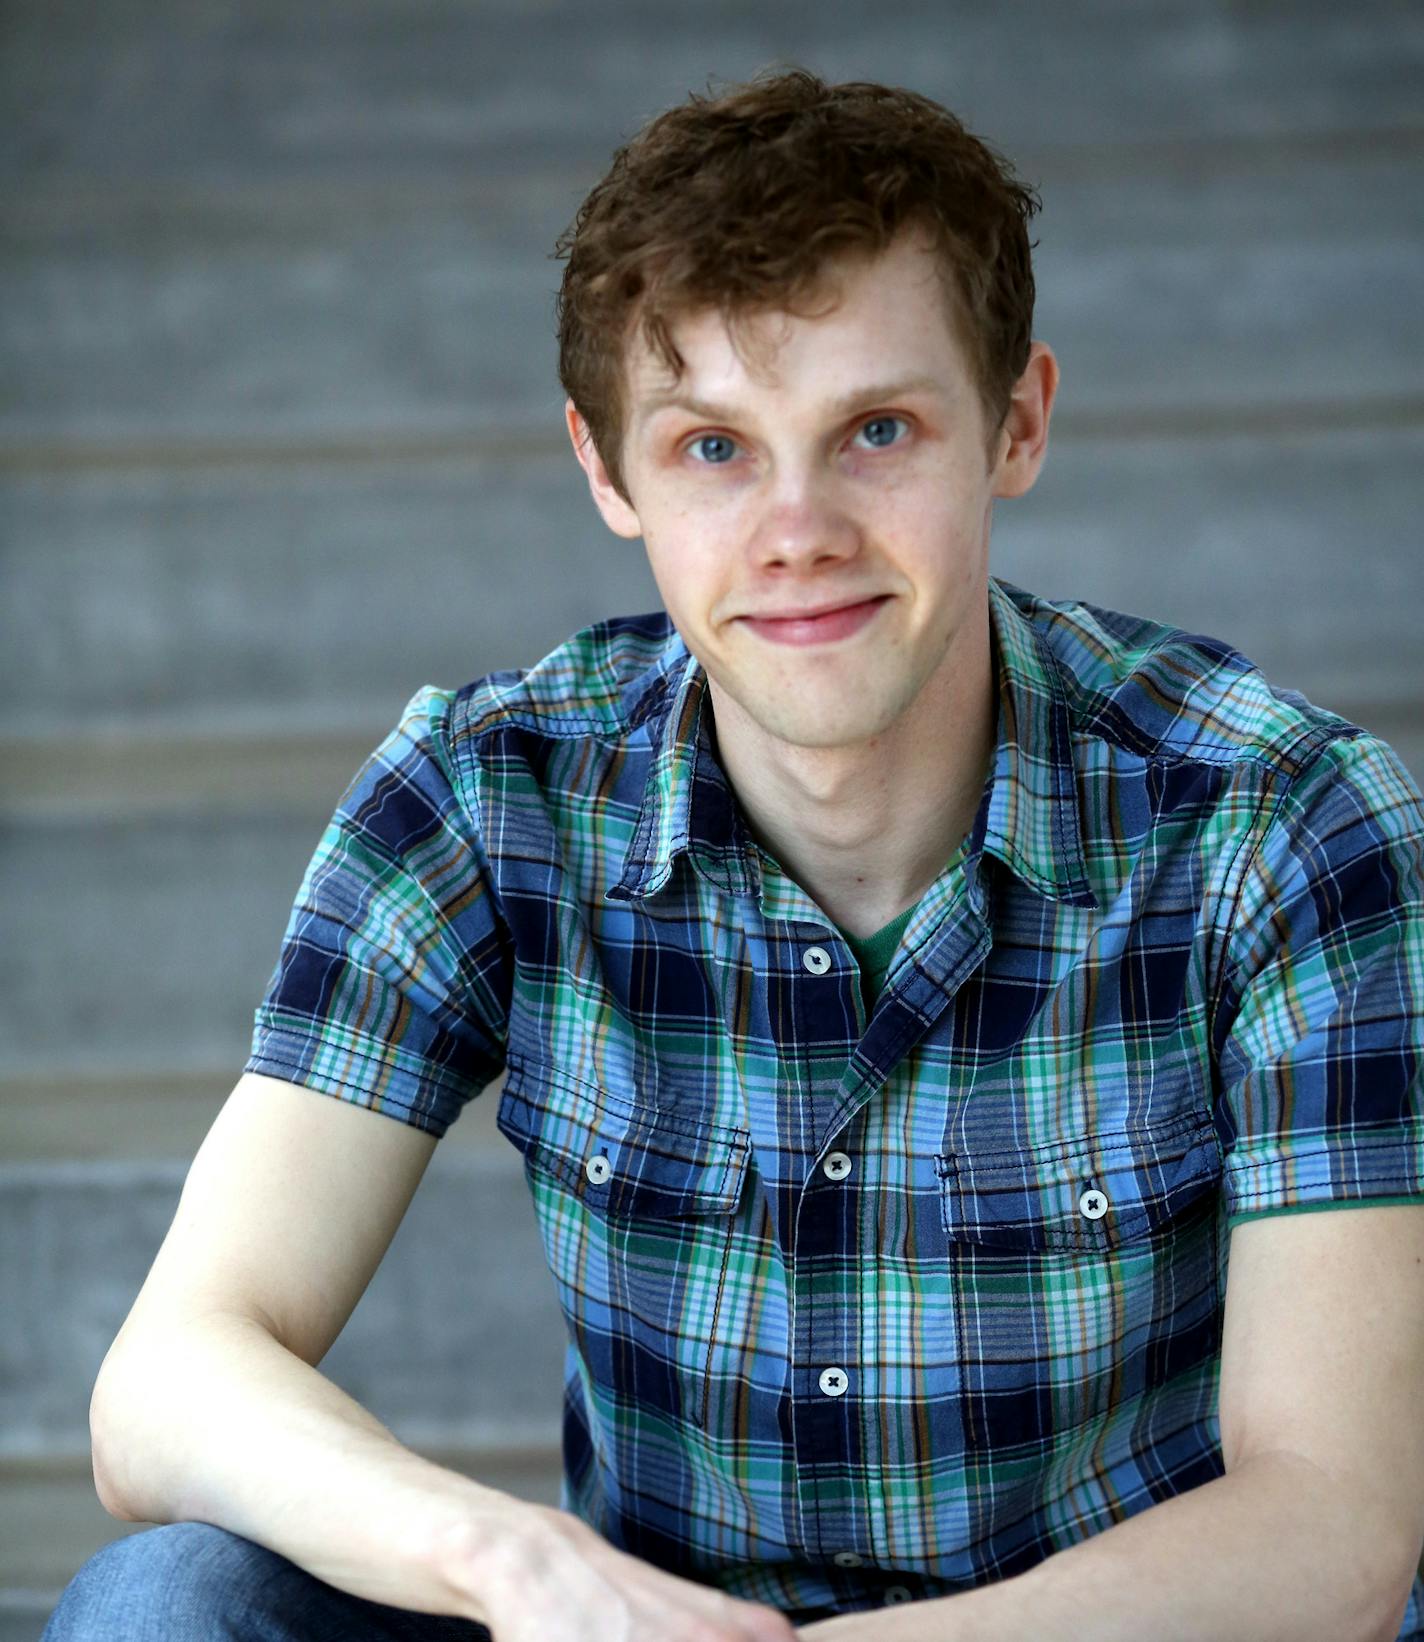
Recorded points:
(831, 624)
(817, 611)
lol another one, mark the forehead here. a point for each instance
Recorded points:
(890, 309)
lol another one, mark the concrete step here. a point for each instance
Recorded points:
(318, 598)
(88, 1187)
(180, 929)
(463, 1291)
(181, 926)
(51, 1521)
(129, 778)
(128, 775)
(1298, 550)
(246, 326)
(161, 1114)
(23, 1613)
(310, 603)
(505, 88)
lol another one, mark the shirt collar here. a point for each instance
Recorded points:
(1034, 821)
(1028, 818)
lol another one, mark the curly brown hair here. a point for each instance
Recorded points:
(740, 201)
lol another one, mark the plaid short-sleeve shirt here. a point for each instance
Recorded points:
(864, 1308)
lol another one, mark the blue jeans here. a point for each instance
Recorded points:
(191, 1582)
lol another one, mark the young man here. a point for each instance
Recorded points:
(923, 1006)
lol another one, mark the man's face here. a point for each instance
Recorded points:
(843, 462)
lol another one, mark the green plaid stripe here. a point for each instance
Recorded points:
(1174, 978)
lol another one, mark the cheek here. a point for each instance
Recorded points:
(685, 575)
(931, 531)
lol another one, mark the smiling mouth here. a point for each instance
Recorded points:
(820, 615)
(826, 627)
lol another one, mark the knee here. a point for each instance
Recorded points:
(163, 1584)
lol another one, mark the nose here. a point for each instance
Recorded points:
(803, 521)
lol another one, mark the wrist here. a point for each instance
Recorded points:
(474, 1541)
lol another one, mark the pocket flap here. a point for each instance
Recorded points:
(1080, 1195)
(657, 1164)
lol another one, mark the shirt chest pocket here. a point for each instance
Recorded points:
(636, 1209)
(1084, 1275)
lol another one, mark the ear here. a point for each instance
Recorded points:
(1023, 439)
(617, 512)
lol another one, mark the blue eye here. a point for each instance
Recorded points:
(716, 448)
(881, 431)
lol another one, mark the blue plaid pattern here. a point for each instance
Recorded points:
(1173, 977)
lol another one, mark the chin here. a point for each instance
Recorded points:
(819, 732)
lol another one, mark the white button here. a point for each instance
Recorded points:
(816, 959)
(836, 1167)
(848, 1559)
(897, 1593)
(598, 1169)
(834, 1382)
(1093, 1204)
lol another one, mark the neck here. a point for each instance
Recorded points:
(865, 829)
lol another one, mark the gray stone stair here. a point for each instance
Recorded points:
(505, 89)
(237, 325)
(456, 1345)
(454, 1296)
(251, 604)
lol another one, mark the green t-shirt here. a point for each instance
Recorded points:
(874, 953)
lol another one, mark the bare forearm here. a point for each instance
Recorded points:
(1272, 1552)
(217, 1422)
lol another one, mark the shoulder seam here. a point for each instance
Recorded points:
(1291, 758)
(499, 713)
(466, 768)
(1322, 736)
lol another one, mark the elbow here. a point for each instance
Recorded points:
(106, 1486)
(105, 1480)
(1385, 1590)
(106, 1448)
(108, 1496)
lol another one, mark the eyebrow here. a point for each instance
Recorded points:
(842, 405)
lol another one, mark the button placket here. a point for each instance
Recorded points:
(825, 1415)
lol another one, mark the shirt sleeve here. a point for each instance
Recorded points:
(1320, 1022)
(392, 984)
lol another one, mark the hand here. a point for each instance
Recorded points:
(551, 1578)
